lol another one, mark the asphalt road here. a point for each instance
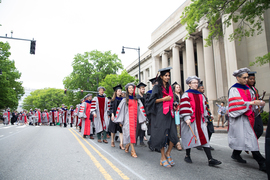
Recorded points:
(45, 152)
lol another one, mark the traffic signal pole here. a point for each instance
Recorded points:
(32, 45)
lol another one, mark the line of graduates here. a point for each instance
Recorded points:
(167, 114)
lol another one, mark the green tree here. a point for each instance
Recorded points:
(112, 80)
(11, 89)
(44, 99)
(89, 69)
(249, 15)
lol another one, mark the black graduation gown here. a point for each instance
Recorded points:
(114, 127)
(139, 131)
(267, 146)
(161, 124)
(147, 97)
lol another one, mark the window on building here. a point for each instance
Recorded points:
(136, 76)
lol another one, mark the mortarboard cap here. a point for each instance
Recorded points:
(252, 73)
(167, 69)
(141, 85)
(115, 88)
(174, 83)
(200, 84)
(153, 80)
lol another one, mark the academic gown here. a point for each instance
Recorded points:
(6, 116)
(84, 114)
(100, 106)
(258, 125)
(148, 115)
(161, 124)
(140, 132)
(114, 127)
(241, 135)
(193, 108)
(267, 146)
(128, 115)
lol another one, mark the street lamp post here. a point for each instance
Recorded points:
(137, 49)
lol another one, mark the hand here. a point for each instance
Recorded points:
(120, 125)
(95, 115)
(206, 123)
(212, 117)
(259, 103)
(167, 98)
(112, 118)
(188, 122)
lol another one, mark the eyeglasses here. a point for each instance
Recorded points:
(245, 77)
(194, 83)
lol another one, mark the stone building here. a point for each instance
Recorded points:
(213, 64)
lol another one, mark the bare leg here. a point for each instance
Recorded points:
(163, 158)
(112, 139)
(121, 140)
(133, 153)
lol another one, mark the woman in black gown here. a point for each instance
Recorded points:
(163, 129)
(114, 127)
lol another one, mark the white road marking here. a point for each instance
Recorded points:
(12, 134)
(121, 163)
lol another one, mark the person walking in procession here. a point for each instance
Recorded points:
(193, 112)
(242, 112)
(99, 108)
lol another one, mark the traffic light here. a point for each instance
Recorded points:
(65, 91)
(81, 92)
(33, 47)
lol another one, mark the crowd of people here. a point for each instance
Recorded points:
(167, 114)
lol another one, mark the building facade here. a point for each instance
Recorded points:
(214, 64)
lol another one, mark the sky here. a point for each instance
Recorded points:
(64, 28)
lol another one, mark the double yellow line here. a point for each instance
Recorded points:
(95, 161)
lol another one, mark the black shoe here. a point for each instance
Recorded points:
(214, 162)
(211, 148)
(150, 147)
(199, 148)
(84, 136)
(262, 167)
(239, 159)
(188, 159)
(116, 137)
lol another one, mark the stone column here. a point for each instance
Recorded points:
(190, 57)
(210, 75)
(218, 68)
(230, 53)
(155, 66)
(200, 60)
(164, 55)
(176, 64)
(184, 68)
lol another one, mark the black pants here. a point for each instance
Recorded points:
(207, 151)
(70, 124)
(65, 124)
(256, 155)
(210, 129)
